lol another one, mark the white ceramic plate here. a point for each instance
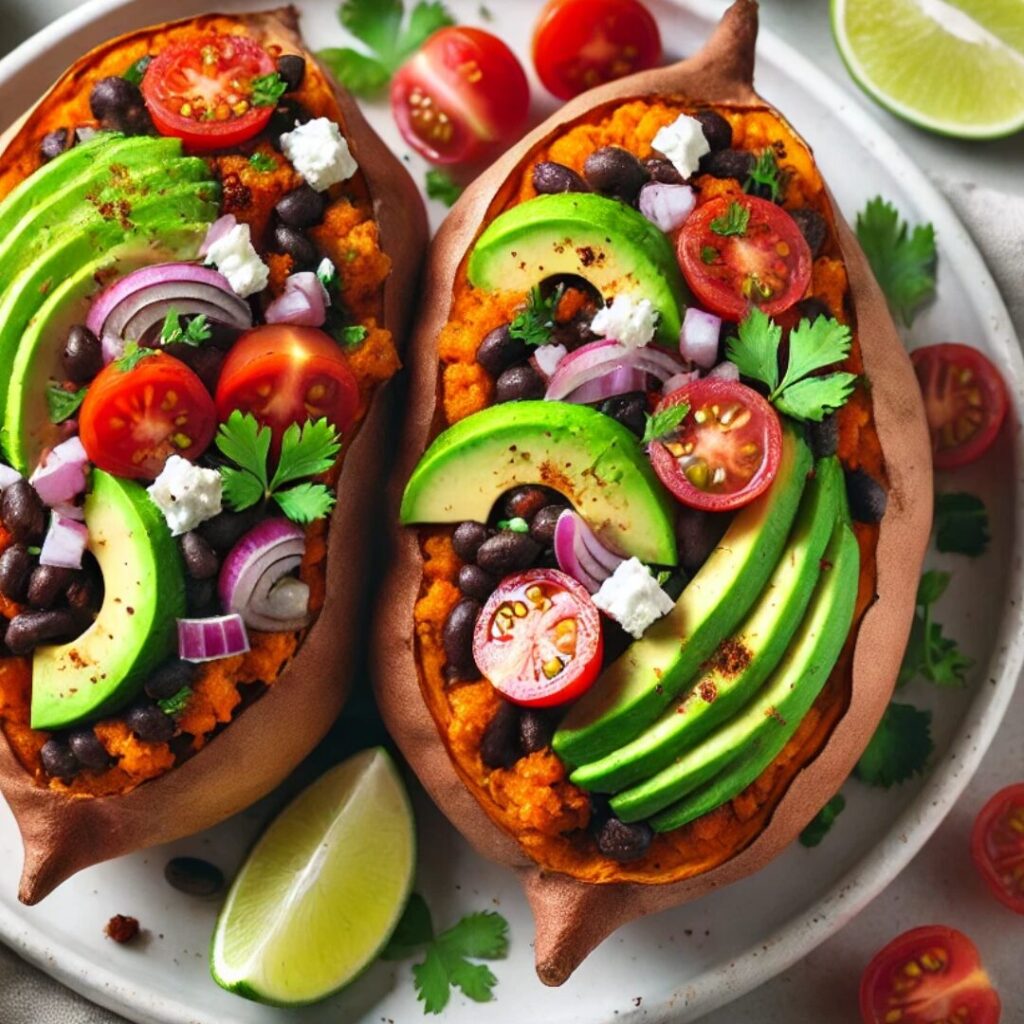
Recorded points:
(682, 963)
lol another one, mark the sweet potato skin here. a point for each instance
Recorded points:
(573, 916)
(244, 762)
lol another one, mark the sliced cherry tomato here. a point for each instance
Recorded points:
(929, 975)
(578, 44)
(732, 261)
(201, 91)
(133, 420)
(997, 846)
(284, 374)
(462, 95)
(964, 399)
(725, 452)
(538, 639)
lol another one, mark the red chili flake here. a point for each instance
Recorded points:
(122, 929)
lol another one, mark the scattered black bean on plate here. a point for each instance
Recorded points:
(194, 876)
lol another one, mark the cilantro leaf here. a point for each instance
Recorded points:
(350, 335)
(414, 929)
(242, 440)
(813, 346)
(267, 90)
(734, 221)
(899, 749)
(426, 18)
(534, 323)
(137, 71)
(63, 404)
(133, 354)
(360, 74)
(664, 423)
(755, 349)
(431, 980)
(305, 503)
(932, 585)
(930, 654)
(765, 177)
(241, 489)
(477, 981)
(708, 254)
(815, 397)
(961, 524)
(482, 935)
(441, 187)
(819, 825)
(308, 450)
(903, 261)
(373, 22)
(176, 703)
(263, 162)
(194, 333)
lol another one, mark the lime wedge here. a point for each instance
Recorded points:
(323, 888)
(951, 66)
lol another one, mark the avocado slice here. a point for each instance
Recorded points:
(633, 691)
(770, 721)
(610, 245)
(144, 592)
(745, 659)
(596, 462)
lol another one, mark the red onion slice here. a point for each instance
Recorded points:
(619, 380)
(667, 206)
(580, 554)
(680, 380)
(8, 475)
(217, 230)
(220, 636)
(303, 302)
(62, 474)
(698, 339)
(596, 359)
(65, 543)
(547, 357)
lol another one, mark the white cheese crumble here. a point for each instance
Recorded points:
(627, 320)
(548, 357)
(234, 256)
(320, 153)
(683, 143)
(186, 494)
(632, 597)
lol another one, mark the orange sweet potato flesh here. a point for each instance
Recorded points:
(525, 817)
(236, 756)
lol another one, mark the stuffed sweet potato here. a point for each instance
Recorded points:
(207, 251)
(654, 379)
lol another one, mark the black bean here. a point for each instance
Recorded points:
(292, 68)
(698, 535)
(499, 350)
(624, 842)
(286, 114)
(550, 178)
(867, 497)
(88, 750)
(301, 208)
(170, 678)
(524, 502)
(812, 226)
(297, 245)
(600, 812)
(499, 746)
(201, 560)
(542, 528)
(56, 142)
(48, 584)
(84, 594)
(823, 437)
(507, 552)
(716, 129)
(663, 171)
(467, 538)
(727, 163)
(814, 307)
(223, 531)
(194, 877)
(23, 512)
(519, 383)
(201, 597)
(458, 638)
(118, 105)
(204, 361)
(535, 731)
(149, 723)
(616, 172)
(475, 583)
(25, 632)
(82, 357)
(58, 761)
(629, 409)
(16, 566)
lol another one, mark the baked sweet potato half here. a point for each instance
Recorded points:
(208, 254)
(627, 764)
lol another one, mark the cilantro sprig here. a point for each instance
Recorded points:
(262, 162)
(534, 323)
(899, 749)
(930, 654)
(961, 524)
(306, 451)
(194, 333)
(441, 187)
(903, 260)
(133, 354)
(820, 825)
(267, 90)
(136, 71)
(389, 37)
(765, 177)
(176, 703)
(62, 404)
(663, 424)
(800, 392)
(449, 955)
(734, 221)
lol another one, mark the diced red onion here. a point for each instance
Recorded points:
(64, 543)
(667, 206)
(619, 380)
(580, 554)
(599, 357)
(8, 475)
(256, 579)
(547, 357)
(62, 474)
(680, 380)
(698, 340)
(217, 230)
(725, 371)
(304, 302)
(69, 510)
(220, 636)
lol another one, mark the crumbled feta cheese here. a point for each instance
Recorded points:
(627, 320)
(320, 153)
(683, 143)
(632, 597)
(186, 494)
(548, 357)
(234, 256)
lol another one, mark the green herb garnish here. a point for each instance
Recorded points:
(708, 254)
(175, 704)
(929, 654)
(263, 162)
(535, 322)
(734, 221)
(441, 187)
(194, 333)
(899, 749)
(961, 524)
(351, 335)
(665, 423)
(517, 524)
(327, 274)
(133, 354)
(63, 404)
(823, 821)
(765, 175)
(137, 71)
(267, 90)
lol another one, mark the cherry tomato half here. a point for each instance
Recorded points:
(201, 91)
(578, 44)
(725, 452)
(929, 975)
(463, 94)
(997, 846)
(734, 262)
(538, 639)
(133, 421)
(964, 399)
(284, 374)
